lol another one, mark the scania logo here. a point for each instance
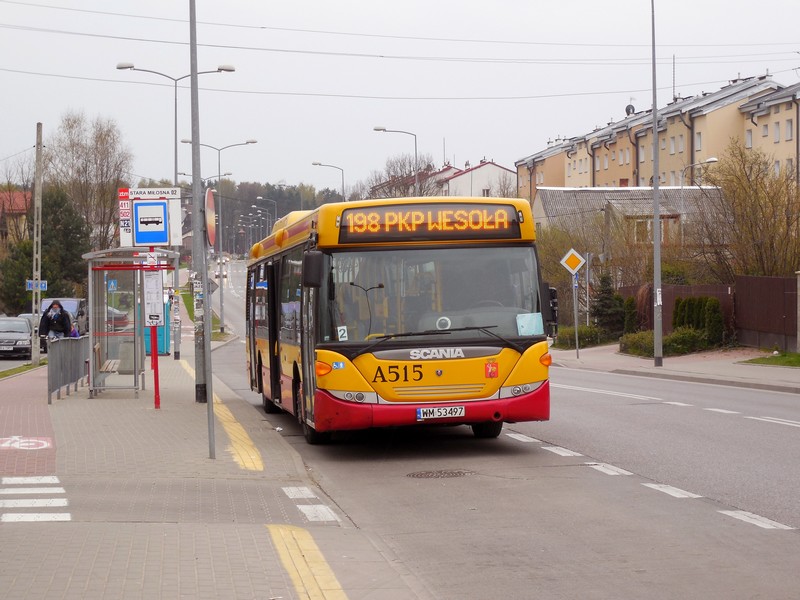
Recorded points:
(433, 353)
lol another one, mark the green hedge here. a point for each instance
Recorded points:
(588, 335)
(683, 340)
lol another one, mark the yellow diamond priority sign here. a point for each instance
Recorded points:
(572, 261)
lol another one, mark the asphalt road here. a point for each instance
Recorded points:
(636, 488)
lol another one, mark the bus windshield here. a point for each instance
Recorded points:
(466, 292)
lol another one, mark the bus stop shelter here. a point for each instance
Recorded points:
(117, 314)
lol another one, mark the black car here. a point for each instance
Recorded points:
(15, 337)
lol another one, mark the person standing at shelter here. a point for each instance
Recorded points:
(56, 322)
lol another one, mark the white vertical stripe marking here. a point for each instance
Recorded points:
(29, 480)
(317, 512)
(723, 411)
(678, 403)
(43, 490)
(34, 517)
(776, 421)
(34, 503)
(299, 492)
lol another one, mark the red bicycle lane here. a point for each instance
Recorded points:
(27, 439)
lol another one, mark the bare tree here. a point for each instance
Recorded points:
(399, 177)
(753, 226)
(89, 161)
(505, 186)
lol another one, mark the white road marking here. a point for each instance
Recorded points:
(749, 517)
(29, 480)
(560, 451)
(608, 392)
(44, 490)
(318, 512)
(723, 411)
(672, 491)
(523, 438)
(678, 404)
(608, 469)
(34, 517)
(34, 503)
(776, 421)
(299, 492)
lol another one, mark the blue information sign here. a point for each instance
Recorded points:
(150, 225)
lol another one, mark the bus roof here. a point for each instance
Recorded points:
(407, 221)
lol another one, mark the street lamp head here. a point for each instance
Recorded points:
(185, 141)
(317, 164)
(226, 68)
(259, 198)
(251, 142)
(124, 65)
(379, 128)
(710, 160)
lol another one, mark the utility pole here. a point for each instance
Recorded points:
(38, 179)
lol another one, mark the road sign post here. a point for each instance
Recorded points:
(573, 262)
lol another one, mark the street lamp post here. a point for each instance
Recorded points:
(219, 170)
(266, 220)
(274, 206)
(709, 161)
(127, 66)
(658, 330)
(319, 164)
(416, 165)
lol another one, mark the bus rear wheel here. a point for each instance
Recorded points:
(489, 429)
(315, 437)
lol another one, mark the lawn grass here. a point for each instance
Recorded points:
(188, 302)
(783, 359)
(20, 369)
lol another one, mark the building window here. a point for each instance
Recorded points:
(777, 168)
(672, 178)
(569, 169)
(764, 130)
(627, 156)
(789, 165)
(777, 131)
(748, 138)
(486, 192)
(789, 130)
(672, 145)
(698, 141)
(663, 143)
(613, 155)
(680, 143)
(605, 162)
(596, 163)
(776, 109)
(622, 157)
(642, 231)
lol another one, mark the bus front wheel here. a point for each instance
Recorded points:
(312, 436)
(489, 429)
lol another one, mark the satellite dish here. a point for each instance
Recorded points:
(629, 110)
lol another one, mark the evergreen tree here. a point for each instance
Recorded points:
(631, 324)
(607, 308)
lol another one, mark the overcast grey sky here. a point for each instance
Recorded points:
(471, 79)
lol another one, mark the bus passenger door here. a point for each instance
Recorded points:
(250, 326)
(273, 386)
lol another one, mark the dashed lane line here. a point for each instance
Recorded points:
(606, 392)
(672, 491)
(776, 420)
(753, 519)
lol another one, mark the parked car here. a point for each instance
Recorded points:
(78, 310)
(15, 337)
(35, 324)
(116, 319)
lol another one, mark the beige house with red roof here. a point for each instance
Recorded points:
(14, 206)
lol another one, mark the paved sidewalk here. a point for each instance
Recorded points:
(125, 502)
(725, 367)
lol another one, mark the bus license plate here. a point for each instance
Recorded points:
(440, 412)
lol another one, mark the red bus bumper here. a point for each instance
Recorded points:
(332, 414)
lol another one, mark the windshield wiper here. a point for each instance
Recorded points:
(484, 329)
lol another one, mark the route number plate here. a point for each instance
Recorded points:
(440, 412)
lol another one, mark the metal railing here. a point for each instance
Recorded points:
(66, 365)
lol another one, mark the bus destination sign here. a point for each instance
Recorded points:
(428, 222)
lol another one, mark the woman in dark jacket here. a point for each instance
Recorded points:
(56, 322)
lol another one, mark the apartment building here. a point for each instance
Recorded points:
(756, 111)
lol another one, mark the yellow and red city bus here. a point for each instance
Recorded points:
(393, 312)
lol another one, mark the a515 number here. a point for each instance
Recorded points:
(395, 373)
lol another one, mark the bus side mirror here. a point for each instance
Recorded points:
(312, 268)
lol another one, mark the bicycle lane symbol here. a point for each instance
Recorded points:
(17, 442)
